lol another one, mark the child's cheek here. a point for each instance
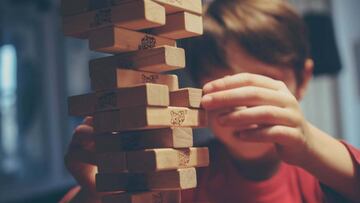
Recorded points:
(227, 135)
(224, 134)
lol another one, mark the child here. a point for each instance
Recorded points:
(253, 63)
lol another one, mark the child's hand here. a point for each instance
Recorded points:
(269, 112)
(80, 161)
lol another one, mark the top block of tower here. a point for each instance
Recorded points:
(174, 6)
(133, 15)
(71, 7)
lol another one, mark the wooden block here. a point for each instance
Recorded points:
(111, 162)
(152, 160)
(187, 97)
(180, 25)
(139, 118)
(147, 139)
(81, 105)
(133, 15)
(172, 6)
(166, 159)
(113, 39)
(180, 179)
(112, 78)
(175, 6)
(71, 7)
(144, 197)
(142, 95)
(155, 60)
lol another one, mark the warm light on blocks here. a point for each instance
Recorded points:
(187, 97)
(132, 15)
(139, 118)
(180, 25)
(146, 139)
(180, 179)
(155, 60)
(123, 40)
(142, 121)
(112, 78)
(153, 160)
(141, 95)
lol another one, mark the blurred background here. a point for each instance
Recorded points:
(39, 69)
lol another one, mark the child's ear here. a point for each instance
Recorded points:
(307, 75)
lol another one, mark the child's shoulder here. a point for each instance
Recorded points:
(308, 185)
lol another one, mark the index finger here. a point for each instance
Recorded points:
(88, 121)
(240, 80)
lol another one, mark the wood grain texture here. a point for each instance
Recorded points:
(146, 139)
(113, 39)
(175, 6)
(166, 159)
(71, 7)
(186, 97)
(141, 95)
(133, 15)
(180, 25)
(151, 160)
(112, 78)
(180, 179)
(155, 60)
(140, 118)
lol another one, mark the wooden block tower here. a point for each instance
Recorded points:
(142, 120)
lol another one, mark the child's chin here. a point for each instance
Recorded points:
(253, 150)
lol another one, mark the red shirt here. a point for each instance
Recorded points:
(290, 184)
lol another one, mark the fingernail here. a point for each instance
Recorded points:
(207, 88)
(206, 99)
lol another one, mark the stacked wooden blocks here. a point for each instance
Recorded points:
(142, 120)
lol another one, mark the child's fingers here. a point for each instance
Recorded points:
(88, 121)
(80, 159)
(82, 145)
(80, 164)
(260, 115)
(241, 80)
(245, 96)
(83, 138)
(282, 135)
(83, 128)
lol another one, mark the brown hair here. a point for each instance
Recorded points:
(269, 30)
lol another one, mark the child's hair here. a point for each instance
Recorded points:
(268, 30)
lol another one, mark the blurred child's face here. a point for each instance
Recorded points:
(241, 62)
